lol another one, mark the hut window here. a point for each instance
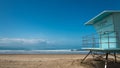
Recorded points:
(102, 23)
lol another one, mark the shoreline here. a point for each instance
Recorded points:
(42, 52)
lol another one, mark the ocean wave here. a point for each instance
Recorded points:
(41, 52)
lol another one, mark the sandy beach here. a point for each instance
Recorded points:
(44, 61)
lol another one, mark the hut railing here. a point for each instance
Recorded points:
(97, 40)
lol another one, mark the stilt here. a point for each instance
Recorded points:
(115, 57)
(86, 56)
(106, 60)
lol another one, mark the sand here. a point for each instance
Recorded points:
(46, 61)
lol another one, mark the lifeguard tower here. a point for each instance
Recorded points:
(107, 37)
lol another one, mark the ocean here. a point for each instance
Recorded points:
(42, 52)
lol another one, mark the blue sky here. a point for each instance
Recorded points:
(44, 23)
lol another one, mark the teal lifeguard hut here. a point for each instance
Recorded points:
(107, 26)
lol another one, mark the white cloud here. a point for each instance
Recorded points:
(22, 41)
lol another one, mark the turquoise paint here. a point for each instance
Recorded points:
(105, 29)
(108, 40)
(101, 17)
(107, 25)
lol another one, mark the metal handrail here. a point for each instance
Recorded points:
(97, 39)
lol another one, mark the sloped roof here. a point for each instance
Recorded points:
(100, 16)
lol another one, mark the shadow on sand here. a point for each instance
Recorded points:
(90, 63)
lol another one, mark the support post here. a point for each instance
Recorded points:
(86, 56)
(106, 60)
(115, 57)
